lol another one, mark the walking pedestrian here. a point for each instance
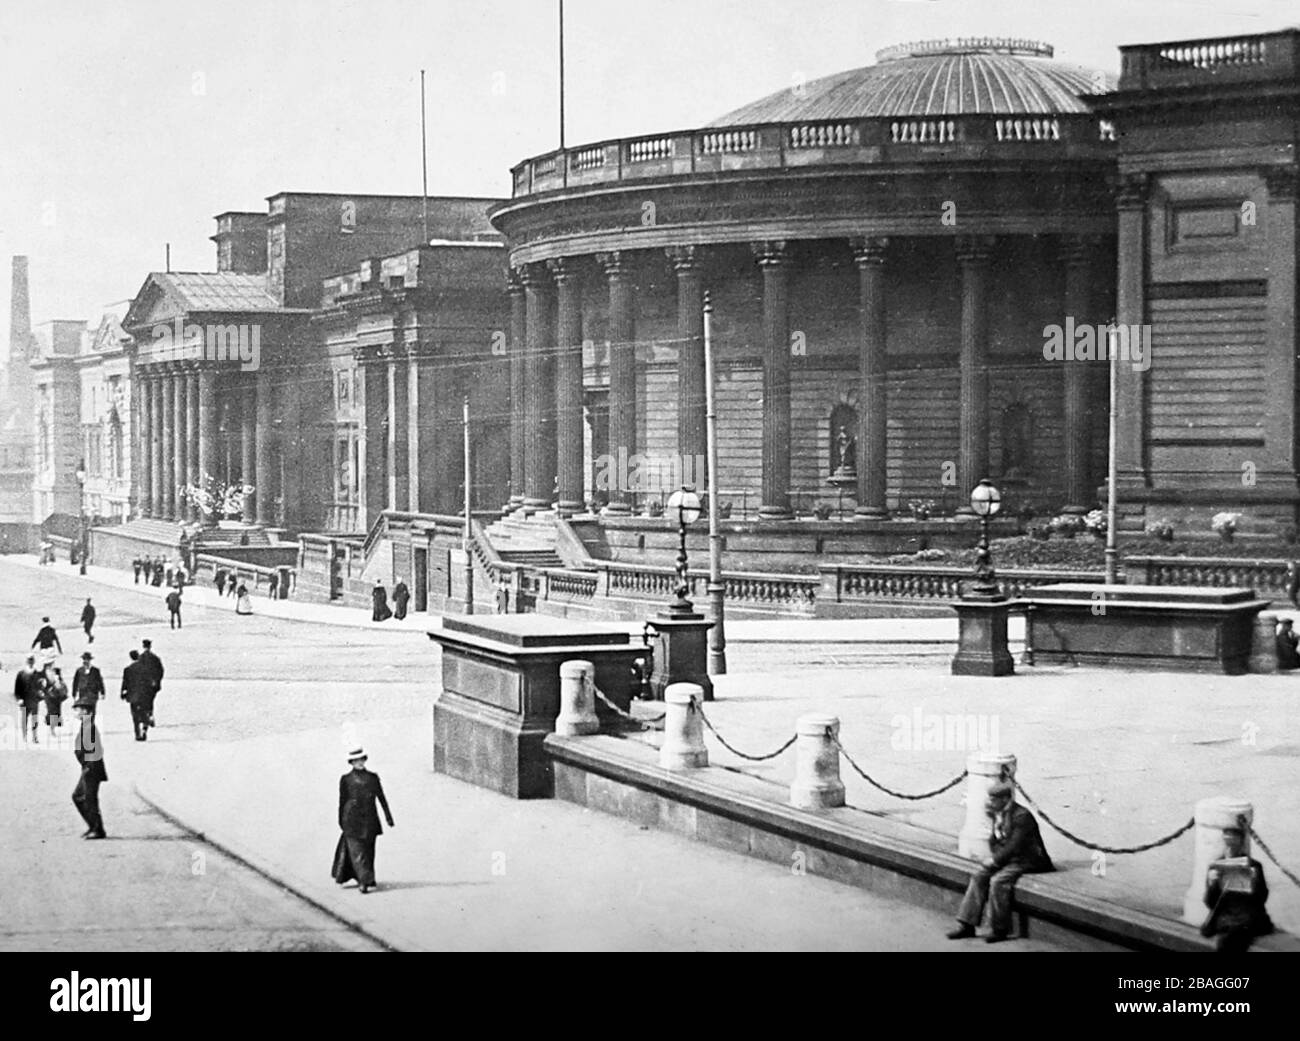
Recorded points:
(174, 608)
(379, 598)
(221, 581)
(157, 572)
(55, 692)
(354, 856)
(401, 597)
(243, 602)
(1016, 848)
(89, 750)
(47, 640)
(232, 587)
(503, 597)
(137, 565)
(88, 620)
(273, 584)
(137, 691)
(171, 572)
(27, 692)
(87, 683)
(155, 667)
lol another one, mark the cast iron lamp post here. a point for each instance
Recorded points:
(986, 501)
(687, 505)
(81, 509)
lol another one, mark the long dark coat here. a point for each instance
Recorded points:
(401, 597)
(354, 856)
(379, 597)
(88, 682)
(27, 689)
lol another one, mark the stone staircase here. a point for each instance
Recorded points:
(526, 539)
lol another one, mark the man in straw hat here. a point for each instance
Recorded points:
(359, 789)
(1016, 849)
(89, 751)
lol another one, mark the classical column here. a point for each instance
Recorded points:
(248, 442)
(1080, 492)
(516, 346)
(374, 448)
(208, 447)
(413, 428)
(156, 447)
(1130, 308)
(292, 512)
(774, 260)
(179, 473)
(974, 254)
(622, 374)
(873, 404)
(568, 384)
(193, 475)
(398, 410)
(539, 398)
(1283, 303)
(166, 471)
(262, 497)
(690, 364)
(143, 472)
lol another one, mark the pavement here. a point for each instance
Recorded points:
(1119, 759)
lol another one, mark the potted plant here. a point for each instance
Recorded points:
(1066, 525)
(1096, 522)
(1225, 524)
(921, 509)
(822, 512)
(1161, 528)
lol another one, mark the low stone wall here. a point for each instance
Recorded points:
(116, 548)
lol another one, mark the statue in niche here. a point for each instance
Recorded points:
(844, 443)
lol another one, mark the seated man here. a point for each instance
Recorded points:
(1235, 893)
(1017, 849)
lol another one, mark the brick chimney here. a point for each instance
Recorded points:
(241, 243)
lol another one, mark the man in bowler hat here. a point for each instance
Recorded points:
(1016, 849)
(87, 683)
(89, 751)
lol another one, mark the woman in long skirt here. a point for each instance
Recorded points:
(243, 602)
(359, 790)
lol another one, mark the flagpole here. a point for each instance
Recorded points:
(561, 75)
(424, 162)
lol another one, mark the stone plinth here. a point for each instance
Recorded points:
(680, 652)
(982, 638)
(501, 694)
(1186, 628)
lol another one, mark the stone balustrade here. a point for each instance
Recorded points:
(799, 144)
(1266, 577)
(1268, 56)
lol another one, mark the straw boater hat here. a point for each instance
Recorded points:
(356, 753)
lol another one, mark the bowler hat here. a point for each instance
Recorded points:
(86, 656)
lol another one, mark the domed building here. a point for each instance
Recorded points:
(884, 251)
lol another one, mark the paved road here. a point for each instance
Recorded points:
(250, 717)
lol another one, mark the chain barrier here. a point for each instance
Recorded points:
(735, 751)
(1191, 823)
(890, 791)
(644, 724)
(1270, 854)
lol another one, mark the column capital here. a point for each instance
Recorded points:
(684, 259)
(976, 249)
(771, 252)
(616, 264)
(1131, 191)
(514, 280)
(869, 249)
(1282, 182)
(565, 270)
(1078, 250)
(535, 276)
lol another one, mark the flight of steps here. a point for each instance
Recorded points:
(530, 540)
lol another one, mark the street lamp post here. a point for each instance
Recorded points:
(687, 505)
(986, 501)
(680, 649)
(81, 510)
(982, 612)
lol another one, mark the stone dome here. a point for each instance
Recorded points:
(937, 78)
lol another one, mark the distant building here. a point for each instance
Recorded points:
(55, 493)
(104, 371)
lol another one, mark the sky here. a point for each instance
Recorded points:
(128, 125)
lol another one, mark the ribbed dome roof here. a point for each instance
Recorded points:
(937, 78)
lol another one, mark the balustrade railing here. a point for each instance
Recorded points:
(876, 139)
(1185, 62)
(1267, 577)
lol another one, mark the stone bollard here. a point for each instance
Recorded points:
(817, 783)
(984, 769)
(1212, 815)
(1263, 643)
(683, 746)
(577, 700)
